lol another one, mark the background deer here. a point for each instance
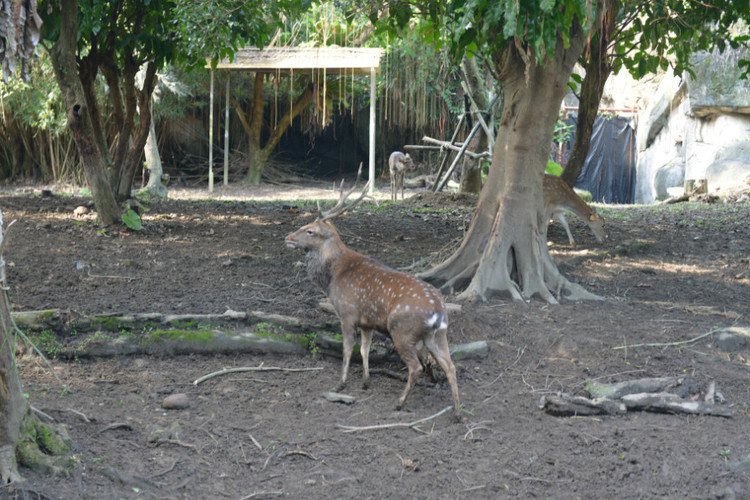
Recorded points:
(398, 164)
(371, 296)
(559, 197)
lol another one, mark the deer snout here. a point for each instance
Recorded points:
(289, 241)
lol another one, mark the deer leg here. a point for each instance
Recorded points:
(561, 218)
(348, 337)
(393, 186)
(408, 354)
(401, 184)
(437, 344)
(364, 350)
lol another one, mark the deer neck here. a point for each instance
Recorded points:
(323, 261)
(569, 200)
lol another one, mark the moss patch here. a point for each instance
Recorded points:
(201, 336)
(42, 447)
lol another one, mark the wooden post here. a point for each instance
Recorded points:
(211, 136)
(460, 155)
(444, 161)
(372, 130)
(226, 135)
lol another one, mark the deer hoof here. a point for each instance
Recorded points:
(366, 384)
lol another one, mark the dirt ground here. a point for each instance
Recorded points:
(667, 273)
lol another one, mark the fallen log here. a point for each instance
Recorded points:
(565, 405)
(666, 402)
(620, 397)
(108, 335)
(48, 319)
(619, 389)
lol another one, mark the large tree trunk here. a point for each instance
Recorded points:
(598, 68)
(508, 228)
(96, 162)
(22, 436)
(13, 406)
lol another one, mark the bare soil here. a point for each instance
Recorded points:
(667, 274)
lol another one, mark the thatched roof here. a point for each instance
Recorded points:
(335, 60)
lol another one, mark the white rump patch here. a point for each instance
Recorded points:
(437, 321)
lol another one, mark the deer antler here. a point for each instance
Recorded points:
(342, 205)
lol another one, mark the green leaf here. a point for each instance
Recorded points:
(553, 168)
(132, 220)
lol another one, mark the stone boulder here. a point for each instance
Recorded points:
(723, 175)
(716, 87)
(671, 175)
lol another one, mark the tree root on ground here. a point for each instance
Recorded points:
(43, 447)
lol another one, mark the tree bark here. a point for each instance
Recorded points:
(13, 406)
(508, 228)
(109, 166)
(96, 162)
(471, 172)
(22, 435)
(132, 159)
(598, 68)
(155, 187)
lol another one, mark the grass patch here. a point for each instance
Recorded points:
(46, 341)
(202, 336)
(277, 332)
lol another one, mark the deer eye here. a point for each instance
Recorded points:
(310, 232)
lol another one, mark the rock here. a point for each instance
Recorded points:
(171, 433)
(727, 174)
(178, 401)
(671, 175)
(734, 338)
(335, 397)
(472, 350)
(80, 211)
(715, 85)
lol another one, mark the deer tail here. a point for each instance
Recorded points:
(438, 321)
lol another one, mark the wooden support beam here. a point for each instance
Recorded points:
(442, 182)
(455, 147)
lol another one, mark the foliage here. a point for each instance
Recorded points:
(563, 131)
(132, 220)
(46, 342)
(656, 35)
(417, 78)
(553, 168)
(37, 104)
(218, 28)
(487, 26)
(33, 129)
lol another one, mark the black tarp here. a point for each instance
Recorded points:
(609, 170)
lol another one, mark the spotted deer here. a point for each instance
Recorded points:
(559, 197)
(398, 164)
(369, 296)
